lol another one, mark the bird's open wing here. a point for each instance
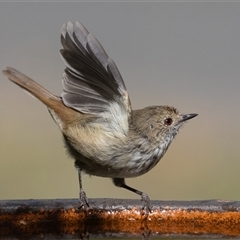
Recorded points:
(91, 81)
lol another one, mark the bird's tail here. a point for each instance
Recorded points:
(30, 86)
(53, 102)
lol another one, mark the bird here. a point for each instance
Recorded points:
(101, 131)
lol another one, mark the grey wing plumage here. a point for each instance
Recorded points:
(91, 81)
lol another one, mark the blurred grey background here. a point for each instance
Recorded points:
(182, 54)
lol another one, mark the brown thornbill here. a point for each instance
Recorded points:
(101, 131)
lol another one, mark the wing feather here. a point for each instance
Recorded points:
(92, 82)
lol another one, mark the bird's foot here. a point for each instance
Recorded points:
(83, 199)
(146, 209)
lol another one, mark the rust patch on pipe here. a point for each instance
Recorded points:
(44, 217)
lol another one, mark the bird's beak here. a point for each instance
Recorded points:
(186, 117)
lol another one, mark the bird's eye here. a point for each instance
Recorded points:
(168, 121)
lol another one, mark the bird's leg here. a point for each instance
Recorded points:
(82, 195)
(120, 182)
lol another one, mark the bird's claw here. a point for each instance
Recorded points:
(83, 199)
(145, 204)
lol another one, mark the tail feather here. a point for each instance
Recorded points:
(58, 110)
(30, 85)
